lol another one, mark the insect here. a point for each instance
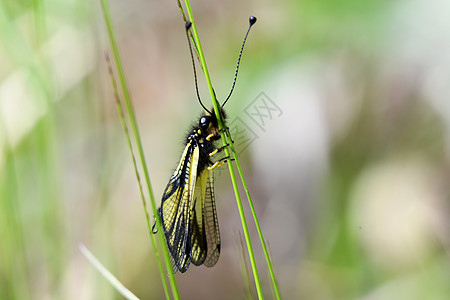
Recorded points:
(188, 208)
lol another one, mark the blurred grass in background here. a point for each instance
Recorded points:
(350, 182)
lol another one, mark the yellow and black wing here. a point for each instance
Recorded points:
(204, 223)
(176, 208)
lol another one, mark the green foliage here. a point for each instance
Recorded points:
(349, 183)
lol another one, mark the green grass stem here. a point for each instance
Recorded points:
(190, 33)
(255, 218)
(227, 153)
(25, 58)
(138, 177)
(13, 255)
(136, 136)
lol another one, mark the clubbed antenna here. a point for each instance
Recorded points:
(251, 20)
(188, 27)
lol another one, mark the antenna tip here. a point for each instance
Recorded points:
(252, 20)
(188, 25)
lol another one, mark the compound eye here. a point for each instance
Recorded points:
(204, 123)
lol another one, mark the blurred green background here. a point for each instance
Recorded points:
(350, 176)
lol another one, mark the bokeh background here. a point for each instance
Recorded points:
(349, 176)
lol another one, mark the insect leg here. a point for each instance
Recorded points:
(154, 229)
(218, 150)
(219, 163)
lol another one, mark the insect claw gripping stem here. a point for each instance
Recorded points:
(154, 228)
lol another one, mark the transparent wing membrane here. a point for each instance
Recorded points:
(211, 223)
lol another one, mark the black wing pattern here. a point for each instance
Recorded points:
(188, 213)
(176, 208)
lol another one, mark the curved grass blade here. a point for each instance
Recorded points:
(106, 274)
(137, 140)
(138, 177)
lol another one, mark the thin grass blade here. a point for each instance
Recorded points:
(135, 130)
(106, 274)
(227, 153)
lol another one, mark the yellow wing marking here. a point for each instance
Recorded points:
(188, 213)
(176, 207)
